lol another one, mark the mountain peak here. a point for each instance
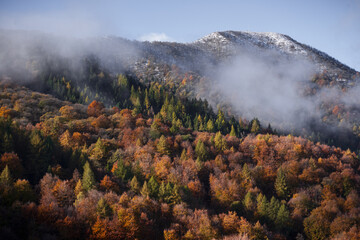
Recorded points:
(228, 43)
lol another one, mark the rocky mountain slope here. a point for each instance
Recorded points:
(119, 54)
(223, 44)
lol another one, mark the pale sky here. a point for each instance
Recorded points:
(332, 26)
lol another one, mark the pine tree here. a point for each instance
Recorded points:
(249, 201)
(153, 187)
(135, 185)
(246, 173)
(262, 205)
(220, 121)
(123, 81)
(122, 171)
(5, 177)
(196, 123)
(210, 126)
(281, 186)
(145, 192)
(201, 125)
(162, 191)
(273, 209)
(232, 132)
(98, 153)
(219, 142)
(103, 209)
(282, 220)
(147, 100)
(162, 146)
(201, 151)
(174, 197)
(88, 179)
(255, 125)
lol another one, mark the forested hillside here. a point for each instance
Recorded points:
(155, 164)
(115, 139)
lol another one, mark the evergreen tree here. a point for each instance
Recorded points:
(174, 197)
(196, 123)
(123, 82)
(232, 132)
(155, 129)
(201, 125)
(273, 209)
(220, 121)
(210, 126)
(5, 177)
(162, 146)
(122, 171)
(135, 185)
(162, 191)
(262, 205)
(246, 173)
(88, 179)
(281, 186)
(283, 219)
(249, 201)
(145, 192)
(153, 187)
(219, 142)
(201, 151)
(103, 209)
(98, 153)
(255, 126)
(183, 155)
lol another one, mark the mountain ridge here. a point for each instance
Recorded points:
(196, 56)
(277, 41)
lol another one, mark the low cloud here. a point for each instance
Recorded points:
(152, 37)
(266, 85)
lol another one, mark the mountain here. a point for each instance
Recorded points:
(119, 54)
(228, 43)
(107, 138)
(219, 46)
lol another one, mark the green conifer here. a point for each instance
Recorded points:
(88, 179)
(281, 186)
(5, 177)
(232, 132)
(103, 209)
(145, 192)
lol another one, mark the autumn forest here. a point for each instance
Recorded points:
(103, 156)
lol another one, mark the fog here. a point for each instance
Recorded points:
(266, 85)
(23, 54)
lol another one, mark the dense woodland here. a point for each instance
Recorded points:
(111, 157)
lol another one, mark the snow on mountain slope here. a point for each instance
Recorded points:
(229, 43)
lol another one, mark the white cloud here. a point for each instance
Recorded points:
(152, 37)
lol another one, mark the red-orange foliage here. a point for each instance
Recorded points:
(5, 112)
(107, 184)
(101, 122)
(95, 109)
(336, 110)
